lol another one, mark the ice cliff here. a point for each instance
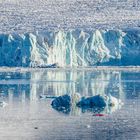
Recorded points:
(71, 48)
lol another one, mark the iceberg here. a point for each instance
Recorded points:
(71, 48)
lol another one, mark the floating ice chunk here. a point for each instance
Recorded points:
(113, 104)
(3, 104)
(43, 96)
(88, 126)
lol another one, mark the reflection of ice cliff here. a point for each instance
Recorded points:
(71, 48)
(31, 85)
(64, 82)
(85, 83)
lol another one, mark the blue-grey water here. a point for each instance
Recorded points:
(27, 116)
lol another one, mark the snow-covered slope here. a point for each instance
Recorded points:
(30, 15)
(71, 48)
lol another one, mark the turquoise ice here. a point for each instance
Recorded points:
(71, 48)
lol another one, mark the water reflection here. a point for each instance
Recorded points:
(31, 85)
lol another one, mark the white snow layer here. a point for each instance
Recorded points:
(31, 15)
(71, 48)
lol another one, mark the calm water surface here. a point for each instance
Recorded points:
(27, 116)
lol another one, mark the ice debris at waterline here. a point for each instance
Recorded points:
(71, 48)
(3, 104)
(43, 96)
(55, 65)
(96, 104)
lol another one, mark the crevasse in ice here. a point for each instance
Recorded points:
(71, 48)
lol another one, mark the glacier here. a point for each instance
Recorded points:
(71, 48)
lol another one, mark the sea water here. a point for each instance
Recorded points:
(28, 115)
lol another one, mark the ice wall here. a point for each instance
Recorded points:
(71, 48)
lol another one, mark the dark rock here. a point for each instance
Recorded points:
(91, 102)
(35, 127)
(55, 65)
(62, 104)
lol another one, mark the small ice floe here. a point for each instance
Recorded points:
(3, 104)
(88, 126)
(113, 104)
(43, 96)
